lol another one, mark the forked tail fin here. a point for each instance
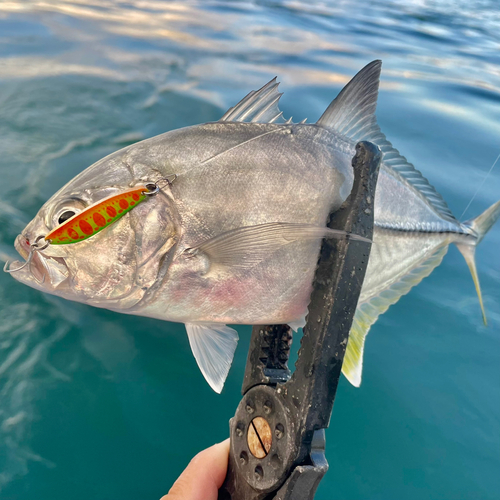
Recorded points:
(480, 225)
(483, 223)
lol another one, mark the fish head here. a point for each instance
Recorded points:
(115, 267)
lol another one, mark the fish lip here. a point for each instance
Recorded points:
(40, 263)
(22, 246)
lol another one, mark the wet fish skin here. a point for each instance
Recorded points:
(288, 181)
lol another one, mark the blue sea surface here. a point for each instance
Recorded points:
(98, 405)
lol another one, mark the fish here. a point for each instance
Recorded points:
(233, 234)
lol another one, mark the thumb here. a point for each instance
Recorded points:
(204, 475)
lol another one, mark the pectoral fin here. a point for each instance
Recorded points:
(249, 245)
(213, 347)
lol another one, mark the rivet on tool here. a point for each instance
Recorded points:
(279, 431)
(259, 473)
(243, 457)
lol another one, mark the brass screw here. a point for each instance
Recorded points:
(259, 437)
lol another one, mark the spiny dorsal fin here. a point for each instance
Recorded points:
(352, 114)
(368, 312)
(259, 106)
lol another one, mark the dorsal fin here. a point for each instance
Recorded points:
(259, 106)
(354, 108)
(395, 160)
(352, 114)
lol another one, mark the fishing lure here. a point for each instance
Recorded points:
(98, 216)
(94, 218)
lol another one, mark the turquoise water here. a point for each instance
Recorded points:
(98, 405)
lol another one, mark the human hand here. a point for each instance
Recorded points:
(204, 475)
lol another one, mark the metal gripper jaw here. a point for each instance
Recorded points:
(277, 434)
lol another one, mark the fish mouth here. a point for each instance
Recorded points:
(43, 270)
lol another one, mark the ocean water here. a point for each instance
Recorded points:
(98, 405)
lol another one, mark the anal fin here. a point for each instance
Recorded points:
(368, 312)
(213, 346)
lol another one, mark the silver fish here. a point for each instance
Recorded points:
(234, 239)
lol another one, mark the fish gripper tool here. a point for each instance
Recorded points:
(278, 431)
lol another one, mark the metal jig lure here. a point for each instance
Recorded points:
(94, 218)
(97, 217)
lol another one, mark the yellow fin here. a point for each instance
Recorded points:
(353, 359)
(468, 252)
(480, 225)
(368, 312)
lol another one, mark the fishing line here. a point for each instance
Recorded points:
(482, 184)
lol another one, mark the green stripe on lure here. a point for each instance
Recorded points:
(98, 216)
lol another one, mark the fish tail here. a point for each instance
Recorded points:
(483, 223)
(479, 226)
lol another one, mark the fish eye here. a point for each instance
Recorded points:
(65, 216)
(65, 210)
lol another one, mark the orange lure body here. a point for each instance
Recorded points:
(96, 217)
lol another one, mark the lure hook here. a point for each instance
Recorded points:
(27, 263)
(33, 248)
